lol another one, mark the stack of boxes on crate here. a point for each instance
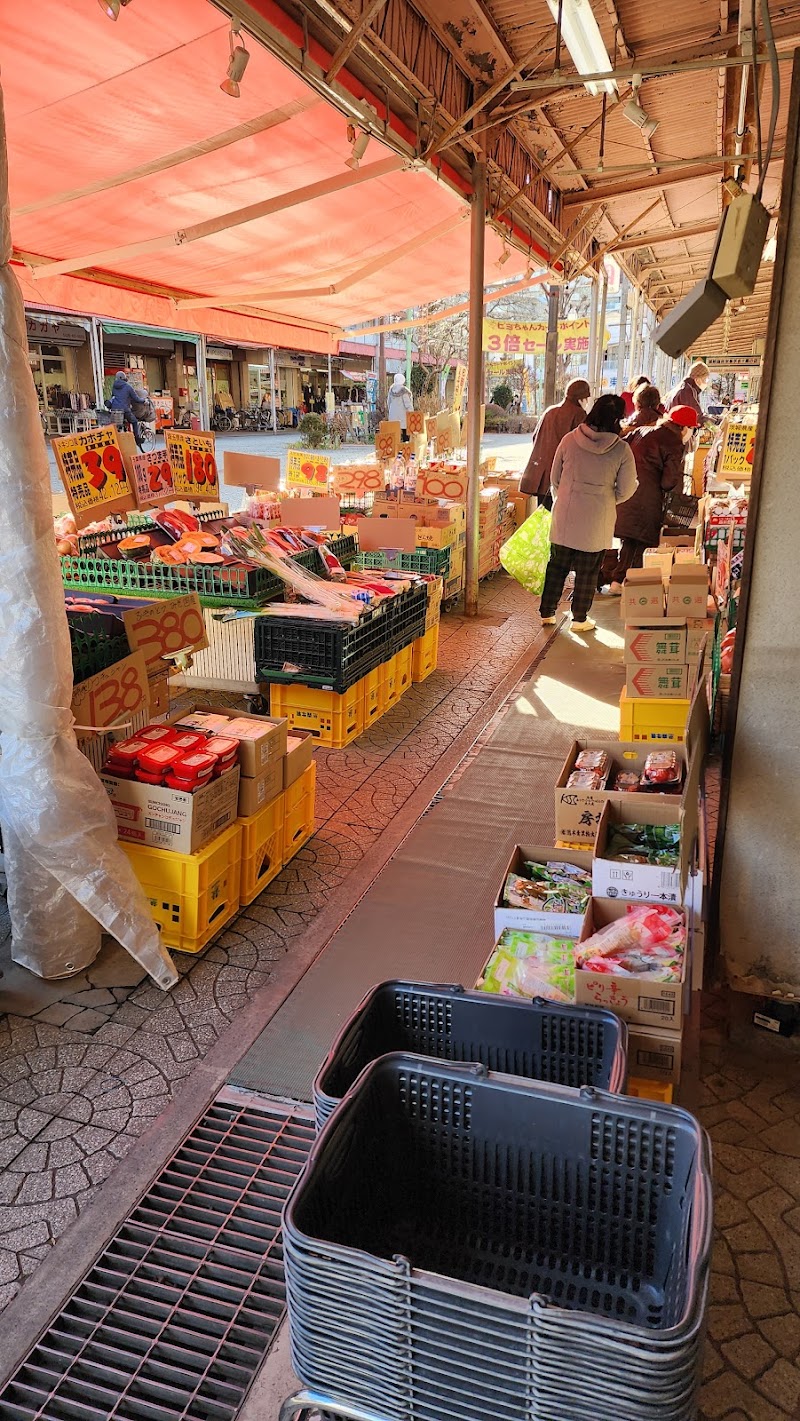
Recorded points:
(210, 804)
(665, 611)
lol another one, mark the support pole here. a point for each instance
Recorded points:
(202, 384)
(409, 314)
(597, 380)
(551, 348)
(96, 349)
(475, 388)
(273, 398)
(593, 312)
(382, 391)
(623, 334)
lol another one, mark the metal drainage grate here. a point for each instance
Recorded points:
(177, 1314)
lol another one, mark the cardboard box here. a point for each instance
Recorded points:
(638, 1000)
(657, 682)
(642, 599)
(261, 748)
(660, 558)
(158, 692)
(662, 644)
(169, 818)
(578, 811)
(687, 594)
(697, 632)
(256, 794)
(299, 754)
(530, 920)
(655, 1054)
(443, 536)
(645, 882)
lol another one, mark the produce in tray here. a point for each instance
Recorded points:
(531, 965)
(626, 782)
(649, 941)
(597, 760)
(657, 844)
(662, 771)
(549, 888)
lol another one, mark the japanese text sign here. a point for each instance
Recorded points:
(194, 465)
(308, 470)
(737, 450)
(152, 477)
(93, 473)
(530, 337)
(460, 389)
(159, 629)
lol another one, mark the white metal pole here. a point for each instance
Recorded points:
(475, 380)
(593, 312)
(273, 402)
(96, 350)
(597, 382)
(202, 384)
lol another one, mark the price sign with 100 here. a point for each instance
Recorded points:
(194, 464)
(93, 473)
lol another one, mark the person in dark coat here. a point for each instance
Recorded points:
(690, 390)
(646, 409)
(124, 397)
(556, 421)
(659, 453)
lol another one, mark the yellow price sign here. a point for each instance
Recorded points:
(308, 470)
(193, 461)
(94, 474)
(737, 450)
(460, 389)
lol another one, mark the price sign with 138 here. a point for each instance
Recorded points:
(93, 473)
(194, 465)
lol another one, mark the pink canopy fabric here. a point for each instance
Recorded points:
(88, 100)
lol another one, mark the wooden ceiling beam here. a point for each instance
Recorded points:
(628, 186)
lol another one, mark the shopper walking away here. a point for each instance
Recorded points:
(593, 471)
(400, 402)
(690, 390)
(556, 421)
(659, 454)
(646, 409)
(123, 398)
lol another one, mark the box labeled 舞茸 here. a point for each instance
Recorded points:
(662, 644)
(660, 682)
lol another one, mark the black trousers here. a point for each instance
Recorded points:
(562, 562)
(616, 563)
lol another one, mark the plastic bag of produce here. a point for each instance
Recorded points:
(526, 554)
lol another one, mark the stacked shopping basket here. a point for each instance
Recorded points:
(470, 1246)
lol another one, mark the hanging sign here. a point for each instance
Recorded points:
(251, 470)
(93, 473)
(460, 389)
(530, 337)
(159, 629)
(415, 422)
(194, 465)
(738, 448)
(387, 440)
(358, 479)
(152, 478)
(308, 470)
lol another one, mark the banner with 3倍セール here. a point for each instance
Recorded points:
(530, 337)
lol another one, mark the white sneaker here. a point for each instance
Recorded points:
(587, 626)
(548, 621)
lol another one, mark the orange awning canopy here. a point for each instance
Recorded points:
(130, 168)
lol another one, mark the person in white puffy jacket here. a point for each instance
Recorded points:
(400, 402)
(593, 470)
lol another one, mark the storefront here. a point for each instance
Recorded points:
(164, 362)
(60, 355)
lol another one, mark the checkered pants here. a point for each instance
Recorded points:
(562, 562)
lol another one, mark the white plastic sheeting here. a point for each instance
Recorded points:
(65, 870)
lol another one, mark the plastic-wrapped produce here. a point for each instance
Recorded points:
(531, 965)
(650, 940)
(662, 771)
(645, 843)
(551, 887)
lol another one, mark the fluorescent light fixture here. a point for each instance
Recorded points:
(635, 114)
(111, 8)
(581, 34)
(238, 62)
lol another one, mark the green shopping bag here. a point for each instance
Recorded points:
(526, 554)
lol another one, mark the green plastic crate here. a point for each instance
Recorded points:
(424, 560)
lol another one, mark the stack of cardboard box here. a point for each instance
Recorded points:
(664, 608)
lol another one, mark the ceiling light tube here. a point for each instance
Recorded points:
(581, 34)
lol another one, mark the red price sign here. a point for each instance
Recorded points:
(152, 476)
(308, 470)
(194, 466)
(162, 628)
(112, 696)
(442, 483)
(93, 473)
(358, 479)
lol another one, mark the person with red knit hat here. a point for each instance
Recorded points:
(659, 453)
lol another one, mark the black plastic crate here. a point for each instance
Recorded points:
(97, 640)
(408, 611)
(538, 1040)
(329, 655)
(497, 1191)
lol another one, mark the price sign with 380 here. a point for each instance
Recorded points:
(93, 473)
(194, 465)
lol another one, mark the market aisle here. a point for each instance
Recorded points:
(89, 1064)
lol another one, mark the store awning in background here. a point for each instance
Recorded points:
(130, 170)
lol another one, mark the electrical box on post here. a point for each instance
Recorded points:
(741, 244)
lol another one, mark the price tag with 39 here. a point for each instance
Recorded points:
(194, 466)
(93, 473)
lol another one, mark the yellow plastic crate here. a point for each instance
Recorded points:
(374, 695)
(425, 655)
(650, 718)
(298, 824)
(192, 896)
(391, 688)
(650, 1090)
(262, 849)
(335, 720)
(297, 792)
(404, 667)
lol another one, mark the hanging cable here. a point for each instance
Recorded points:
(776, 92)
(756, 96)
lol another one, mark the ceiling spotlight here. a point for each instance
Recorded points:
(505, 254)
(635, 114)
(732, 188)
(238, 62)
(358, 141)
(111, 8)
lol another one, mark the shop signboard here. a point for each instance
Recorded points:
(152, 477)
(358, 479)
(387, 440)
(738, 448)
(372, 390)
(194, 465)
(307, 470)
(93, 473)
(164, 406)
(460, 388)
(530, 337)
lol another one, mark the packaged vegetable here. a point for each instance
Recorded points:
(531, 965)
(649, 941)
(585, 779)
(657, 844)
(597, 760)
(662, 771)
(626, 782)
(549, 888)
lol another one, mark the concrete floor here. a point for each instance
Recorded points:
(88, 1068)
